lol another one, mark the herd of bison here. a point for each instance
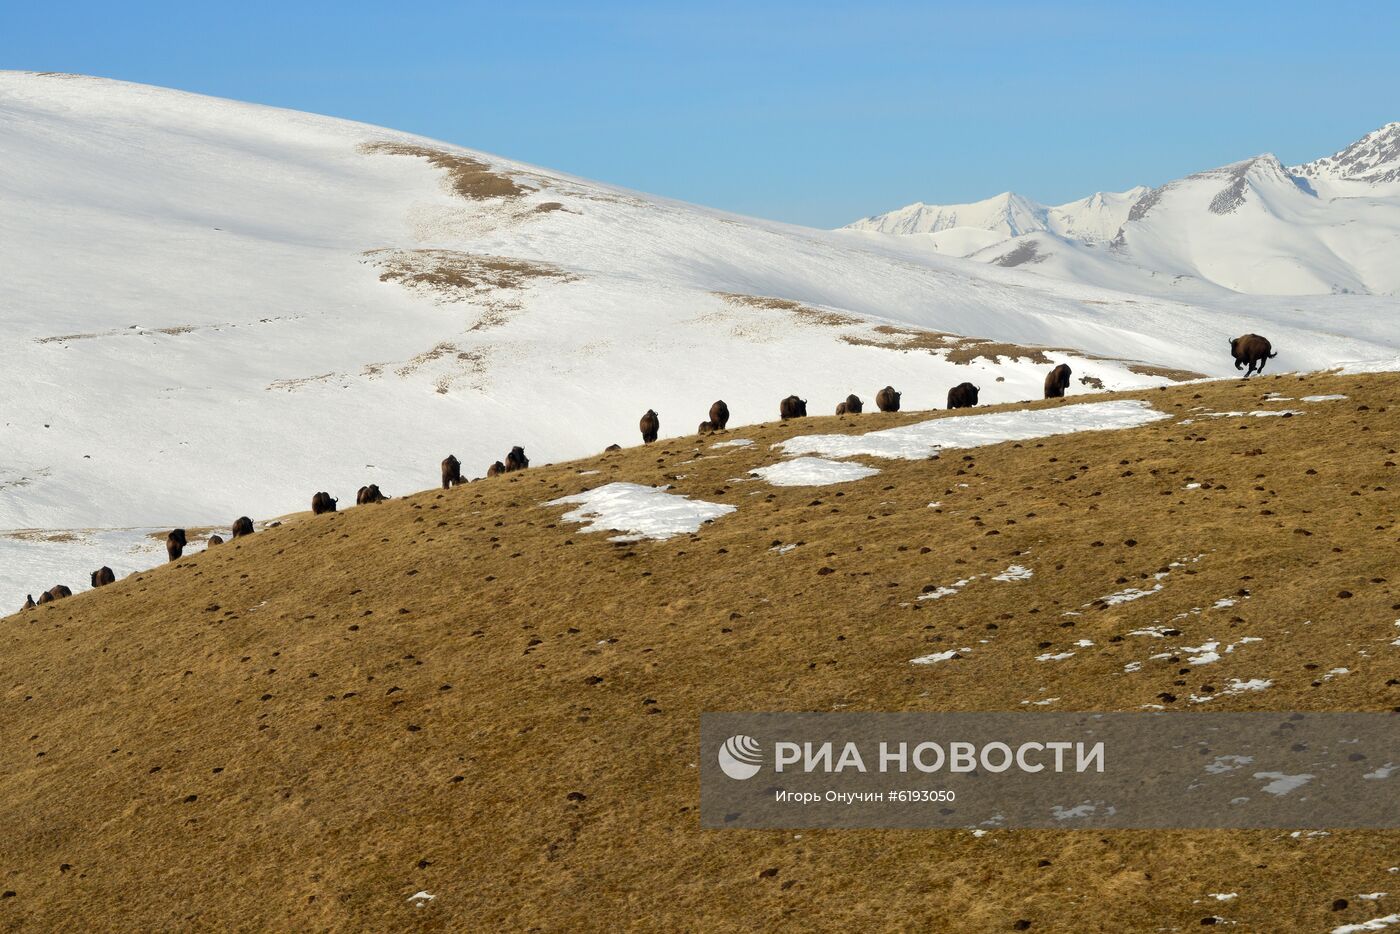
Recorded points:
(1251, 350)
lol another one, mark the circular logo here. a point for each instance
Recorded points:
(740, 757)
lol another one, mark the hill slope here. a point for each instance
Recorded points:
(215, 309)
(465, 694)
(1255, 226)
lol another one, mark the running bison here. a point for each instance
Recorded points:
(323, 502)
(496, 469)
(962, 396)
(175, 543)
(516, 459)
(719, 415)
(369, 494)
(451, 471)
(242, 526)
(103, 576)
(650, 426)
(1253, 350)
(852, 406)
(215, 540)
(887, 400)
(793, 407)
(1057, 381)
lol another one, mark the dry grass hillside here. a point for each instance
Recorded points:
(456, 692)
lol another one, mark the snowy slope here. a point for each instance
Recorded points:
(212, 309)
(1256, 227)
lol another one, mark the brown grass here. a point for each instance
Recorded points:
(459, 693)
(955, 348)
(470, 178)
(453, 276)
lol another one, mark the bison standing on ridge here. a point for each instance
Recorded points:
(322, 502)
(962, 396)
(516, 459)
(719, 415)
(29, 603)
(451, 472)
(887, 400)
(792, 407)
(496, 469)
(705, 428)
(214, 540)
(1253, 350)
(369, 494)
(613, 447)
(175, 543)
(852, 406)
(103, 576)
(1057, 381)
(650, 425)
(242, 526)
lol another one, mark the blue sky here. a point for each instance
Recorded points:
(811, 112)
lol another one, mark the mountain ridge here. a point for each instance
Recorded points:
(1315, 228)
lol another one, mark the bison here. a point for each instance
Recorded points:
(175, 543)
(451, 472)
(852, 406)
(613, 447)
(887, 399)
(242, 526)
(516, 459)
(705, 428)
(650, 425)
(323, 502)
(962, 396)
(1253, 350)
(56, 592)
(1057, 381)
(719, 415)
(29, 603)
(369, 494)
(496, 469)
(214, 540)
(103, 576)
(793, 407)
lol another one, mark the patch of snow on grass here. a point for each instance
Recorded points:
(1236, 687)
(732, 443)
(1385, 771)
(938, 657)
(1129, 595)
(1336, 397)
(1014, 573)
(813, 471)
(924, 439)
(641, 511)
(1375, 924)
(1281, 784)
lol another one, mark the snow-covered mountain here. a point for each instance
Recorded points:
(1255, 226)
(212, 309)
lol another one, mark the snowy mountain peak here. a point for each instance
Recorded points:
(1007, 213)
(1254, 226)
(1374, 158)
